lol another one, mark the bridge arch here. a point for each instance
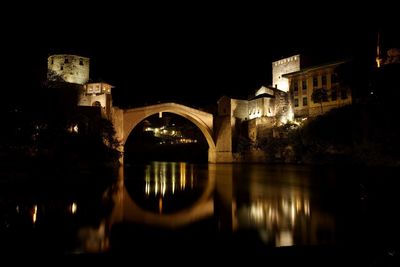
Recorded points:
(203, 120)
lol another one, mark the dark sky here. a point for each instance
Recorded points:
(191, 54)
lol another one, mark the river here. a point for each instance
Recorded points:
(171, 206)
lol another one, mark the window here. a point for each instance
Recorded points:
(62, 67)
(276, 86)
(323, 80)
(296, 102)
(96, 104)
(295, 85)
(52, 61)
(315, 82)
(66, 60)
(81, 62)
(304, 86)
(305, 101)
(333, 94)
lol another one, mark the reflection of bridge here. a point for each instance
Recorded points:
(278, 207)
(125, 120)
(126, 209)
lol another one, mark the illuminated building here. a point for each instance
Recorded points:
(281, 67)
(305, 81)
(97, 95)
(270, 107)
(288, 99)
(169, 135)
(75, 69)
(70, 68)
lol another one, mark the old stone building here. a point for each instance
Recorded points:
(70, 68)
(75, 69)
(324, 78)
(269, 107)
(288, 99)
(281, 67)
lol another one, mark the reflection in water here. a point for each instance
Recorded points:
(161, 178)
(282, 206)
(277, 214)
(34, 214)
(166, 187)
(74, 207)
(93, 239)
(274, 203)
(279, 208)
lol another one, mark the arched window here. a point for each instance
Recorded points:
(96, 104)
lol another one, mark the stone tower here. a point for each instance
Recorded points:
(281, 67)
(70, 68)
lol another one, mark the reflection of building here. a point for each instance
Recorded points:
(75, 69)
(284, 217)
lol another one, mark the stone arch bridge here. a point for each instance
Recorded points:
(218, 138)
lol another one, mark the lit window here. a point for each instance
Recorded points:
(304, 84)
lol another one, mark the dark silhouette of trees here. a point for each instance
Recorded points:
(319, 95)
(47, 127)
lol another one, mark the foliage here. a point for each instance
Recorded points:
(243, 144)
(285, 145)
(319, 95)
(359, 134)
(38, 128)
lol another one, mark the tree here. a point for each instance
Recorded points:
(319, 95)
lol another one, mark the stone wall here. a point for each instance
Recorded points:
(70, 68)
(283, 66)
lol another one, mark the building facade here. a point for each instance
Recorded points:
(290, 98)
(97, 94)
(281, 67)
(323, 78)
(75, 69)
(70, 68)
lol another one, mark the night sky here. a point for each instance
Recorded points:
(187, 54)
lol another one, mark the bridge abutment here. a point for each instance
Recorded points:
(223, 157)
